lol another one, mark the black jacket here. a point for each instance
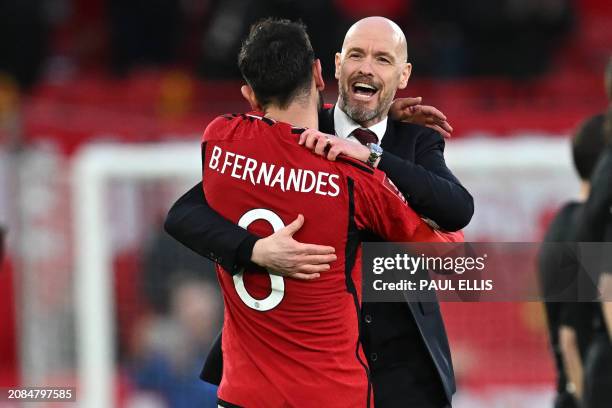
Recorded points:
(413, 159)
(596, 222)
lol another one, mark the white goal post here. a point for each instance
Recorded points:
(95, 165)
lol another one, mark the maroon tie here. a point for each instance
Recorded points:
(364, 136)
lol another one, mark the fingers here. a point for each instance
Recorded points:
(305, 135)
(431, 111)
(303, 272)
(310, 269)
(311, 142)
(316, 141)
(443, 127)
(320, 259)
(313, 249)
(294, 226)
(429, 116)
(321, 144)
(310, 138)
(441, 131)
(305, 276)
(334, 152)
(446, 126)
(403, 103)
(307, 249)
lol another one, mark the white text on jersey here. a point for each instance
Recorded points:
(247, 168)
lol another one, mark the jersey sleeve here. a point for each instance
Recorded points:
(381, 209)
(213, 130)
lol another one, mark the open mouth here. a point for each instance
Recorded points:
(364, 91)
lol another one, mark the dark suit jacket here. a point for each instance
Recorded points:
(596, 219)
(413, 159)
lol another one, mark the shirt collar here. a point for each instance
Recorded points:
(344, 125)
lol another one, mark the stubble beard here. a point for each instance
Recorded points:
(361, 114)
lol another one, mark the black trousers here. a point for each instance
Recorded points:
(395, 387)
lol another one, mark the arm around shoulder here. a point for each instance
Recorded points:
(192, 222)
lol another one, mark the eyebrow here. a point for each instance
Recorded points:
(376, 53)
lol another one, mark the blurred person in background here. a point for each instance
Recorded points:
(573, 325)
(169, 350)
(163, 260)
(23, 40)
(144, 32)
(462, 39)
(596, 226)
(230, 19)
(407, 347)
(179, 288)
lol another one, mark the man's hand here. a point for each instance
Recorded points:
(410, 110)
(281, 255)
(330, 146)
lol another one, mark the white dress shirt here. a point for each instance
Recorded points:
(344, 126)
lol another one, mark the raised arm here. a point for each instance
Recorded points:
(429, 186)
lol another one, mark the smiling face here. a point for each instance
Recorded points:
(371, 68)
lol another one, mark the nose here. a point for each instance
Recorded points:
(366, 67)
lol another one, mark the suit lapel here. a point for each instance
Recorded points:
(389, 139)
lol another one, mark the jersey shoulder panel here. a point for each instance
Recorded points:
(219, 128)
(367, 177)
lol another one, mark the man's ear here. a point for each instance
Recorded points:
(337, 60)
(317, 74)
(405, 76)
(249, 95)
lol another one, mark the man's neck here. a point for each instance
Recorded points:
(372, 122)
(296, 114)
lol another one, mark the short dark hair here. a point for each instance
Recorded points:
(276, 61)
(588, 144)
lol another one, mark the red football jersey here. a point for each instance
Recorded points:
(286, 342)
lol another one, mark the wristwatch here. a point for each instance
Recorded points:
(375, 152)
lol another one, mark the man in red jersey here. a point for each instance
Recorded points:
(289, 342)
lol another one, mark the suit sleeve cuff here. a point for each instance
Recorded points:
(245, 251)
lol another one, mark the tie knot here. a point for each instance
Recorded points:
(364, 136)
